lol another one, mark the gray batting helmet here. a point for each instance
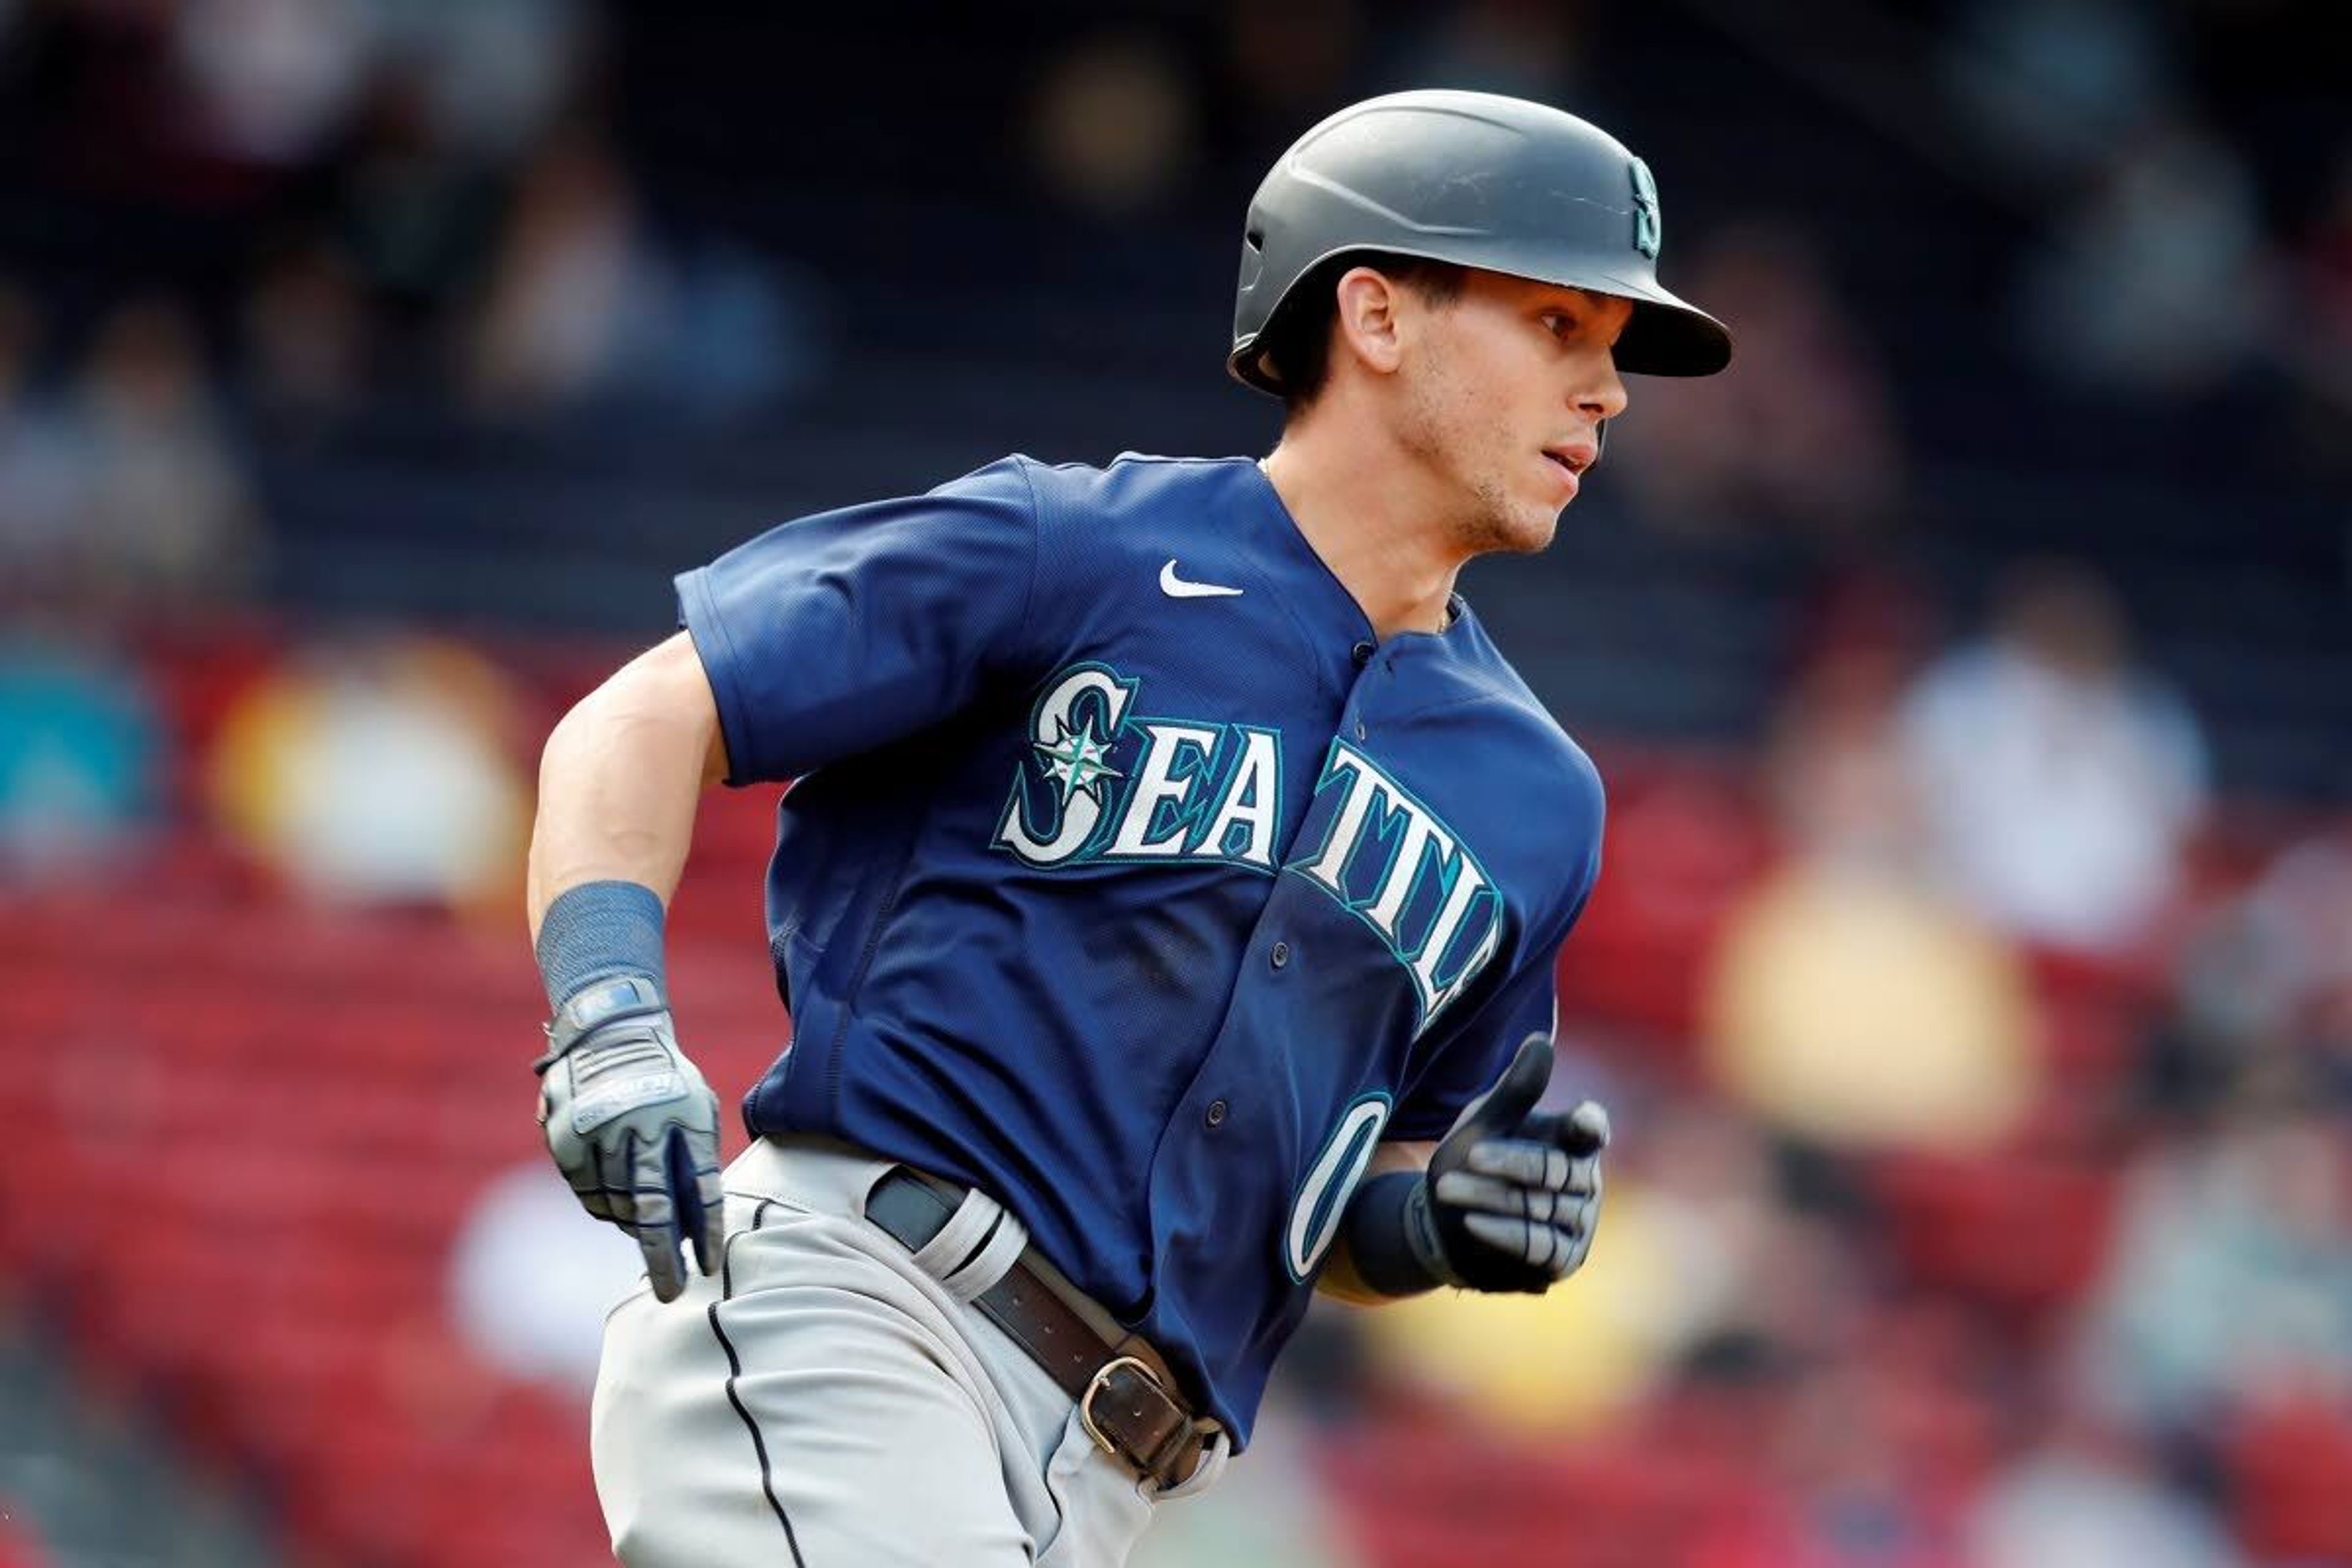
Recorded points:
(1480, 181)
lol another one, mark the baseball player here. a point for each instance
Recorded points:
(1166, 906)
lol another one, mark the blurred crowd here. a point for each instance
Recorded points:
(235, 221)
(1982, 1054)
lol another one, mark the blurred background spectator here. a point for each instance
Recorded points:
(378, 774)
(165, 513)
(2155, 285)
(530, 1281)
(2092, 1494)
(2051, 85)
(2061, 783)
(1971, 979)
(308, 337)
(1111, 126)
(81, 770)
(1799, 433)
(1850, 1001)
(38, 471)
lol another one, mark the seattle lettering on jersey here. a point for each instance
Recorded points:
(1119, 787)
(1391, 862)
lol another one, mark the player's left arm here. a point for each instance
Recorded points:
(1507, 1198)
(1506, 1201)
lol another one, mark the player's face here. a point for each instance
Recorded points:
(1503, 396)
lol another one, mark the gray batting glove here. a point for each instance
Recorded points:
(633, 1126)
(1513, 1195)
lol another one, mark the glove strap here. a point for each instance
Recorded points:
(605, 1001)
(1393, 1237)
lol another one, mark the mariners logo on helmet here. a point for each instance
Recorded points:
(1648, 226)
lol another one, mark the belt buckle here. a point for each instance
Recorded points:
(1095, 1386)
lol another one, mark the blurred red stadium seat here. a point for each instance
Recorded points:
(2291, 1465)
(18, 1546)
(2020, 1233)
(1684, 842)
(1425, 1490)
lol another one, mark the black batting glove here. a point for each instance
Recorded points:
(1511, 1196)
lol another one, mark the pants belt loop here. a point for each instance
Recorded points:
(991, 1262)
(945, 1252)
(1214, 1455)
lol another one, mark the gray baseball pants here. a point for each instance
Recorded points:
(829, 1400)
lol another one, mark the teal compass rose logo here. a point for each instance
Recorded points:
(1076, 759)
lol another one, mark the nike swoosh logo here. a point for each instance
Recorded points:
(1176, 587)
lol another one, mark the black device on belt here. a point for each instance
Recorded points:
(1129, 1412)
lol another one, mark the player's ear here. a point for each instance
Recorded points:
(1367, 323)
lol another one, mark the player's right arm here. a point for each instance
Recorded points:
(620, 776)
(821, 638)
(627, 1117)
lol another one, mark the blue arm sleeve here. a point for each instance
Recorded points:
(848, 629)
(596, 931)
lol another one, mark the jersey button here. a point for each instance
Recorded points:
(1363, 654)
(1360, 728)
(1216, 1116)
(1280, 955)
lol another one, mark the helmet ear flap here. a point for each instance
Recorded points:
(1253, 257)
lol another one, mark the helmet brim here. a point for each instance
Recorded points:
(1668, 336)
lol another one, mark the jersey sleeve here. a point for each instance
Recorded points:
(1469, 1059)
(845, 630)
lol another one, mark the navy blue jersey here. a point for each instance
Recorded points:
(1130, 877)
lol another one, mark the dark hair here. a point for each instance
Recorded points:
(1297, 342)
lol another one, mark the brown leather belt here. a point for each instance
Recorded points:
(1130, 1409)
